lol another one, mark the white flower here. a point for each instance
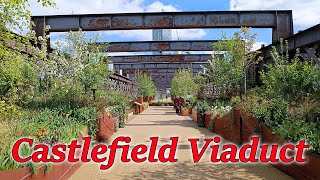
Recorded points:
(48, 27)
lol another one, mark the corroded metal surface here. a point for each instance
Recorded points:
(191, 58)
(158, 65)
(280, 21)
(121, 83)
(155, 70)
(308, 41)
(306, 38)
(156, 46)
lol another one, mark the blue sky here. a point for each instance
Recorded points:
(306, 14)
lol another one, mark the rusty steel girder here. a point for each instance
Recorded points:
(306, 38)
(121, 83)
(186, 58)
(165, 65)
(308, 41)
(155, 70)
(158, 46)
(280, 21)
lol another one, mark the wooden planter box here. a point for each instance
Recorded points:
(184, 112)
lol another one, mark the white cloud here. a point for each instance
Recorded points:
(257, 45)
(115, 6)
(141, 35)
(87, 7)
(188, 34)
(305, 13)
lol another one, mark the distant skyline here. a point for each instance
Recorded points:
(305, 14)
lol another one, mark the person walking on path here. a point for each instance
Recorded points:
(181, 102)
(176, 105)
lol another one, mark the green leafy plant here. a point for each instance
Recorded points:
(201, 108)
(183, 84)
(145, 105)
(229, 72)
(291, 79)
(288, 102)
(146, 86)
(219, 108)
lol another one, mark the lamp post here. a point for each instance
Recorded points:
(94, 93)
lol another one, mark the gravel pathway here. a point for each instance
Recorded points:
(164, 123)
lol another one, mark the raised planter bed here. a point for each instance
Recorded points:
(58, 171)
(106, 126)
(227, 126)
(194, 115)
(251, 126)
(207, 119)
(116, 120)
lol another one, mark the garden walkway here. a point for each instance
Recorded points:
(163, 122)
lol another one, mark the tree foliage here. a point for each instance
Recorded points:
(230, 71)
(183, 84)
(291, 79)
(77, 61)
(18, 69)
(146, 86)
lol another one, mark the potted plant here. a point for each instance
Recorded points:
(202, 107)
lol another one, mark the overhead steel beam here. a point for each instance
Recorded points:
(159, 65)
(116, 76)
(155, 70)
(306, 40)
(280, 21)
(186, 58)
(157, 46)
(167, 73)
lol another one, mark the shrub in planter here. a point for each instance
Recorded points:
(201, 107)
